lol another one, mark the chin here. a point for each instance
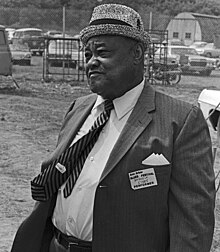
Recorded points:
(99, 91)
(99, 87)
(95, 88)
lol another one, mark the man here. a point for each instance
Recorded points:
(145, 181)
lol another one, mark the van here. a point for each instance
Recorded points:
(32, 37)
(5, 54)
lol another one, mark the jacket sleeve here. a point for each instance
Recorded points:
(192, 187)
(36, 231)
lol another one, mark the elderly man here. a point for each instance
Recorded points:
(132, 170)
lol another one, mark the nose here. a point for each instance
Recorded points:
(93, 62)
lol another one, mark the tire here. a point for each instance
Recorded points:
(173, 79)
(208, 55)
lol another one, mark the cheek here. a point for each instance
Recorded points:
(121, 73)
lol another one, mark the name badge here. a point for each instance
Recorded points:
(142, 178)
(61, 168)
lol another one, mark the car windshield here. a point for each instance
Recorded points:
(33, 33)
(52, 33)
(209, 46)
(199, 45)
(181, 50)
(19, 47)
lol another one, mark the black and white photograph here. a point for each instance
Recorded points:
(110, 126)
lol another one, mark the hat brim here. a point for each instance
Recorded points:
(118, 30)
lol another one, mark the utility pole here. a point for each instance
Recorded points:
(64, 20)
(64, 3)
(150, 22)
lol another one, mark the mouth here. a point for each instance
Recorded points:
(94, 74)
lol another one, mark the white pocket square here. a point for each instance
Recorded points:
(155, 159)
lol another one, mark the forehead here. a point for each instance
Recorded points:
(107, 40)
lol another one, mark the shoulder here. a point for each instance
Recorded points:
(172, 102)
(86, 98)
(169, 105)
(162, 101)
(177, 112)
(82, 100)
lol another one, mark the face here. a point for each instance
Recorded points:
(109, 65)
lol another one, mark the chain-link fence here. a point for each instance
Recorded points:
(63, 57)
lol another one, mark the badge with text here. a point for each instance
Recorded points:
(142, 178)
(61, 168)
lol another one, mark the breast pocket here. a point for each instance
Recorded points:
(149, 176)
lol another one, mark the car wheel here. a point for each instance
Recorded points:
(208, 55)
(173, 78)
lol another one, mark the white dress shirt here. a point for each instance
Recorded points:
(74, 215)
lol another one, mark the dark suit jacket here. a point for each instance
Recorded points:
(177, 215)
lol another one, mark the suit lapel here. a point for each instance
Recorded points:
(73, 121)
(77, 118)
(137, 122)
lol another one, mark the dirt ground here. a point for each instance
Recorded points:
(30, 118)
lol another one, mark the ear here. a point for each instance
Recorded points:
(138, 53)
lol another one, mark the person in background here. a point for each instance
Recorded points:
(133, 167)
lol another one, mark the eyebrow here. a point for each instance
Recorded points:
(96, 44)
(99, 43)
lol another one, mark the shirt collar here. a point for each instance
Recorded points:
(124, 103)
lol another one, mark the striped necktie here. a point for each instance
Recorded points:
(69, 164)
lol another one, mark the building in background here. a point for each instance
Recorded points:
(192, 27)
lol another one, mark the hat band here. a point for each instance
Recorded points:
(108, 21)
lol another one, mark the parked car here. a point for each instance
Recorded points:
(188, 58)
(198, 44)
(210, 50)
(69, 52)
(20, 54)
(33, 37)
(53, 33)
(174, 42)
(5, 54)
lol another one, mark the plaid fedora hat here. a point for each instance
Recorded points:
(115, 19)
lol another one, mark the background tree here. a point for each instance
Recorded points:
(47, 14)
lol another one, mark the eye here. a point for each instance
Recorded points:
(103, 53)
(88, 55)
